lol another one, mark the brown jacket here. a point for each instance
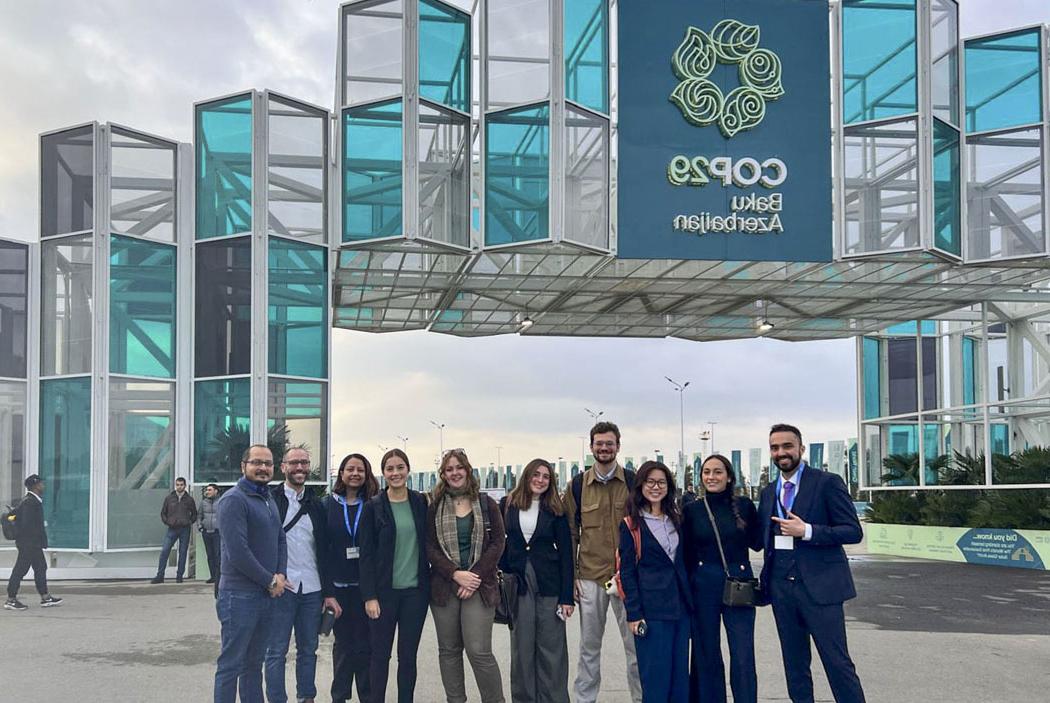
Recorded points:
(442, 587)
(601, 515)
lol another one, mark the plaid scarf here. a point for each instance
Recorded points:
(448, 537)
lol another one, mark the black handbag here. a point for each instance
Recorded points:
(507, 608)
(737, 592)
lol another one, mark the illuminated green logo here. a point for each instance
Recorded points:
(701, 101)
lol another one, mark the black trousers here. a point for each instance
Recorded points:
(352, 650)
(30, 557)
(214, 552)
(709, 616)
(799, 619)
(404, 610)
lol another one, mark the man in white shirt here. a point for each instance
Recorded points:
(303, 602)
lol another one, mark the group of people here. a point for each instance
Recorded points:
(674, 570)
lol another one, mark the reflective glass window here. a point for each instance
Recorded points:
(944, 76)
(372, 37)
(141, 308)
(519, 52)
(444, 176)
(878, 59)
(296, 416)
(67, 181)
(587, 53)
(902, 377)
(1003, 81)
(372, 178)
(223, 142)
(14, 293)
(947, 195)
(444, 55)
(297, 141)
(222, 345)
(517, 175)
(298, 313)
(142, 186)
(969, 366)
(141, 461)
(872, 375)
(586, 178)
(65, 460)
(12, 440)
(66, 305)
(1005, 195)
(221, 429)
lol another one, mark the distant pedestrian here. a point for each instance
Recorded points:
(178, 513)
(254, 562)
(209, 526)
(31, 541)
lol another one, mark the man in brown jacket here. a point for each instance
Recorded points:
(594, 503)
(178, 514)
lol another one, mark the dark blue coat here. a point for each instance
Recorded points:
(823, 502)
(655, 588)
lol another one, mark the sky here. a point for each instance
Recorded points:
(144, 64)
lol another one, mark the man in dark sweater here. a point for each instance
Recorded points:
(178, 513)
(31, 542)
(253, 563)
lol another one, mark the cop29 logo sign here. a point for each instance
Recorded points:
(701, 101)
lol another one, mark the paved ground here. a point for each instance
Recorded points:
(919, 631)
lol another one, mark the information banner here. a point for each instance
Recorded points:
(724, 130)
(1026, 549)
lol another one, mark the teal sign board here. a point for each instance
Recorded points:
(999, 548)
(724, 130)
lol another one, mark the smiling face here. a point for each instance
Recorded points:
(605, 447)
(296, 467)
(786, 449)
(714, 475)
(540, 481)
(210, 492)
(353, 474)
(654, 487)
(395, 471)
(259, 466)
(455, 473)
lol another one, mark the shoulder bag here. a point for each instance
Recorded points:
(737, 592)
(507, 608)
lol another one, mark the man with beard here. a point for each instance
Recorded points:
(594, 505)
(807, 516)
(253, 567)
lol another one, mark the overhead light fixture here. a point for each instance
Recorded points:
(526, 324)
(764, 326)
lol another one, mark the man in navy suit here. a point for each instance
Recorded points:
(807, 516)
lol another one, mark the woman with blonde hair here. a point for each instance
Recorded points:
(539, 555)
(465, 539)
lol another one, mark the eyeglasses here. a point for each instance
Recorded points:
(653, 483)
(298, 462)
(449, 451)
(605, 445)
(259, 462)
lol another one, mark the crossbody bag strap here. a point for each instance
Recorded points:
(718, 538)
(298, 516)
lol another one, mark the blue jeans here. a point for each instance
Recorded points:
(663, 661)
(245, 617)
(301, 612)
(182, 534)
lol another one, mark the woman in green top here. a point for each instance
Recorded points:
(465, 538)
(395, 576)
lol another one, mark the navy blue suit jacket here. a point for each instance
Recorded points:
(655, 588)
(823, 502)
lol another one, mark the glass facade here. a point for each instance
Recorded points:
(298, 309)
(141, 308)
(12, 440)
(65, 460)
(66, 305)
(295, 413)
(67, 181)
(1003, 81)
(947, 192)
(222, 345)
(519, 52)
(587, 53)
(223, 141)
(586, 178)
(141, 461)
(444, 176)
(902, 375)
(297, 140)
(444, 55)
(221, 428)
(142, 186)
(517, 175)
(944, 74)
(372, 177)
(872, 377)
(372, 58)
(878, 59)
(14, 295)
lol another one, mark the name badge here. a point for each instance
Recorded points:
(353, 552)
(783, 542)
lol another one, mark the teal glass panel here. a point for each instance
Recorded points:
(517, 175)
(141, 461)
(878, 59)
(296, 417)
(65, 460)
(221, 428)
(1003, 81)
(13, 401)
(223, 139)
(587, 53)
(142, 308)
(1000, 438)
(298, 312)
(947, 211)
(372, 178)
(444, 55)
(929, 328)
(969, 363)
(872, 369)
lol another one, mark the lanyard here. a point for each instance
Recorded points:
(357, 520)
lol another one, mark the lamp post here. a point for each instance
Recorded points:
(680, 387)
(711, 424)
(594, 415)
(404, 443)
(441, 436)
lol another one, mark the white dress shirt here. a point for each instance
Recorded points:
(302, 576)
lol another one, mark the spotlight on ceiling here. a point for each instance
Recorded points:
(526, 324)
(764, 326)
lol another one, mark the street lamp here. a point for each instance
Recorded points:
(441, 434)
(594, 415)
(404, 443)
(680, 387)
(711, 424)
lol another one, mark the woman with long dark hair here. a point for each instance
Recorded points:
(736, 520)
(395, 576)
(539, 555)
(354, 486)
(465, 539)
(656, 585)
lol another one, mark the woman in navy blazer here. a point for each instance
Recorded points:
(656, 585)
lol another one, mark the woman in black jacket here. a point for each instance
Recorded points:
(738, 528)
(539, 554)
(354, 486)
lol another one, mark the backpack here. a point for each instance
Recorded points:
(636, 533)
(9, 522)
(577, 491)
